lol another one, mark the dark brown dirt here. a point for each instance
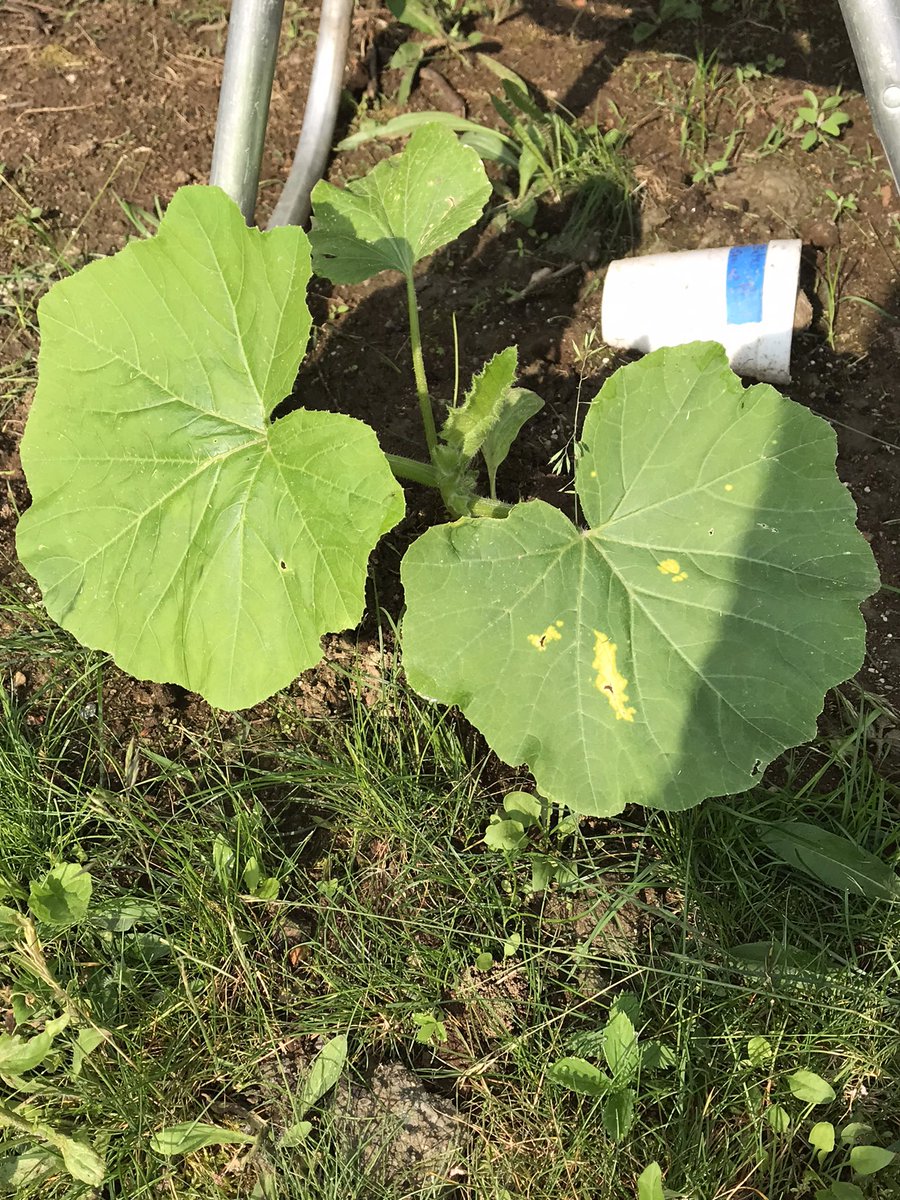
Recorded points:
(118, 99)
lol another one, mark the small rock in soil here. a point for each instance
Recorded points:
(404, 1135)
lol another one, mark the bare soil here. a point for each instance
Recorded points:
(117, 99)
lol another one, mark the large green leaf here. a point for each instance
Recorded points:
(834, 860)
(403, 210)
(173, 524)
(688, 635)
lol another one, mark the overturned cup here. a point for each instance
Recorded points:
(741, 296)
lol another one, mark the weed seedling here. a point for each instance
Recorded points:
(629, 1064)
(822, 119)
(842, 204)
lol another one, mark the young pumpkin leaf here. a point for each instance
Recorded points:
(173, 524)
(62, 897)
(833, 860)
(689, 634)
(403, 210)
(841, 1191)
(492, 414)
(190, 1136)
(469, 423)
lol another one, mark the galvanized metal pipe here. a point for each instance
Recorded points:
(317, 131)
(250, 51)
(874, 29)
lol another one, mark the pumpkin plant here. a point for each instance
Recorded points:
(662, 650)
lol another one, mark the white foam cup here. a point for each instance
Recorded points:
(741, 296)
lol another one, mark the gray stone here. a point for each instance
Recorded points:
(404, 1135)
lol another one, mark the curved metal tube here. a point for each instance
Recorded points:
(250, 51)
(319, 115)
(874, 29)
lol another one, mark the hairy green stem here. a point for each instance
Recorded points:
(419, 369)
(413, 470)
(481, 507)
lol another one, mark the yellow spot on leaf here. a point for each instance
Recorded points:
(559, 624)
(671, 566)
(541, 641)
(608, 680)
(729, 487)
(593, 474)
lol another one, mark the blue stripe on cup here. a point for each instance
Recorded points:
(744, 284)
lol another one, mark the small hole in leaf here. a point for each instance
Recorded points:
(756, 767)
(283, 565)
(711, 532)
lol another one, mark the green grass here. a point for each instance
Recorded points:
(373, 827)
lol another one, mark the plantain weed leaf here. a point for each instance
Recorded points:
(28, 1168)
(649, 1184)
(62, 896)
(324, 1073)
(810, 1087)
(821, 1138)
(507, 835)
(295, 1134)
(831, 859)
(418, 16)
(618, 1113)
(866, 1160)
(487, 143)
(581, 1076)
(856, 1133)
(523, 807)
(173, 523)
(86, 1043)
(10, 925)
(81, 1160)
(779, 1118)
(122, 914)
(759, 1051)
(620, 1047)
(407, 207)
(190, 1136)
(688, 635)
(18, 1054)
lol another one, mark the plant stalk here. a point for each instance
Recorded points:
(419, 369)
(413, 470)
